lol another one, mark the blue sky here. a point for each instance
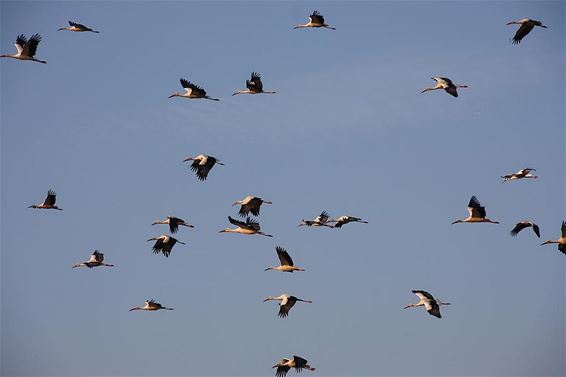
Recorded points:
(348, 132)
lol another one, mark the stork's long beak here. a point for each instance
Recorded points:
(151, 239)
(408, 306)
(181, 242)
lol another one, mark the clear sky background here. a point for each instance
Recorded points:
(348, 132)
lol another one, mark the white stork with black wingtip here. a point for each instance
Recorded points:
(164, 244)
(254, 86)
(447, 85)
(287, 264)
(477, 213)
(526, 26)
(561, 241)
(151, 305)
(73, 26)
(523, 173)
(342, 220)
(284, 365)
(525, 224)
(202, 164)
(247, 227)
(321, 220)
(315, 20)
(192, 91)
(250, 204)
(431, 304)
(174, 223)
(96, 259)
(48, 203)
(26, 49)
(286, 303)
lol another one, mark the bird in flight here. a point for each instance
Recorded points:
(192, 91)
(96, 259)
(286, 303)
(526, 26)
(25, 50)
(202, 164)
(525, 224)
(287, 264)
(174, 223)
(561, 241)
(250, 204)
(315, 20)
(48, 203)
(342, 220)
(447, 85)
(431, 304)
(254, 86)
(523, 173)
(164, 244)
(477, 213)
(151, 305)
(284, 365)
(73, 26)
(248, 227)
(321, 220)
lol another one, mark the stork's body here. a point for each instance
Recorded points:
(96, 259)
(248, 227)
(561, 241)
(431, 304)
(287, 264)
(286, 302)
(202, 164)
(521, 174)
(250, 204)
(526, 26)
(342, 220)
(284, 365)
(25, 50)
(316, 20)
(525, 224)
(174, 223)
(447, 85)
(164, 244)
(48, 203)
(254, 86)
(476, 213)
(321, 220)
(192, 91)
(151, 305)
(73, 26)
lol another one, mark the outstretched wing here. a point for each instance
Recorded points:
(174, 224)
(475, 208)
(31, 46)
(50, 199)
(520, 226)
(300, 363)
(80, 26)
(254, 83)
(282, 370)
(536, 230)
(21, 41)
(522, 32)
(316, 18)
(284, 256)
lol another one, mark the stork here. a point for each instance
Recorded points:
(315, 20)
(173, 223)
(561, 241)
(321, 220)
(525, 224)
(342, 220)
(73, 26)
(26, 49)
(286, 303)
(48, 203)
(192, 91)
(164, 244)
(526, 26)
(247, 227)
(250, 204)
(202, 164)
(523, 173)
(446, 84)
(254, 86)
(96, 259)
(296, 362)
(287, 264)
(151, 305)
(477, 213)
(431, 304)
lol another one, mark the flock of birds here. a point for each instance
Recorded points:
(202, 164)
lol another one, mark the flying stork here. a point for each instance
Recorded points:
(95, 260)
(287, 264)
(73, 26)
(202, 164)
(526, 26)
(446, 84)
(477, 213)
(164, 244)
(173, 223)
(26, 49)
(192, 91)
(525, 224)
(523, 173)
(48, 203)
(315, 20)
(247, 227)
(342, 220)
(254, 86)
(151, 305)
(250, 204)
(296, 362)
(287, 302)
(321, 220)
(561, 241)
(431, 304)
